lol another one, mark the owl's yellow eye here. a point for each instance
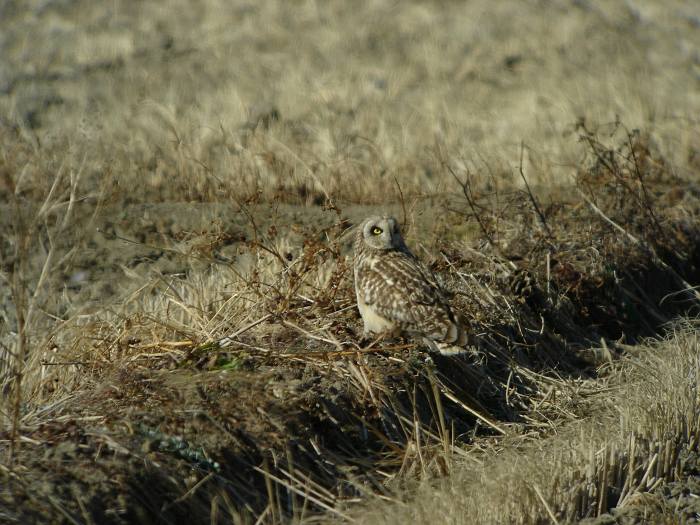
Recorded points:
(376, 231)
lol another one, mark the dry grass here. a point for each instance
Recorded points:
(177, 325)
(636, 431)
(213, 101)
(289, 415)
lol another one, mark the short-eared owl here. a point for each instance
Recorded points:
(396, 293)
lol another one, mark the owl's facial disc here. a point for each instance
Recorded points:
(381, 233)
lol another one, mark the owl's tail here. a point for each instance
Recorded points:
(440, 347)
(456, 334)
(453, 343)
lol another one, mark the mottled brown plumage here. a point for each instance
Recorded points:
(397, 293)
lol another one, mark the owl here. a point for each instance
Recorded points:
(396, 293)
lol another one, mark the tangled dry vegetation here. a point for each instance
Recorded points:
(141, 412)
(178, 334)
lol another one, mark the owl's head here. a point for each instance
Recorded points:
(381, 233)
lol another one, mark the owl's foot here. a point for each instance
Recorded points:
(443, 348)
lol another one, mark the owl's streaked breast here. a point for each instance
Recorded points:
(373, 322)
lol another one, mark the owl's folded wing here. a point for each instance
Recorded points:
(397, 288)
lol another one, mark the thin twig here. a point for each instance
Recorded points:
(403, 205)
(466, 191)
(450, 395)
(228, 340)
(541, 216)
(311, 498)
(546, 505)
(189, 493)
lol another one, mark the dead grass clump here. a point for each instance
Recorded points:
(32, 221)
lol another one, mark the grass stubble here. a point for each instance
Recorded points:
(637, 433)
(122, 403)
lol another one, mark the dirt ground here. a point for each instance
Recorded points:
(172, 174)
